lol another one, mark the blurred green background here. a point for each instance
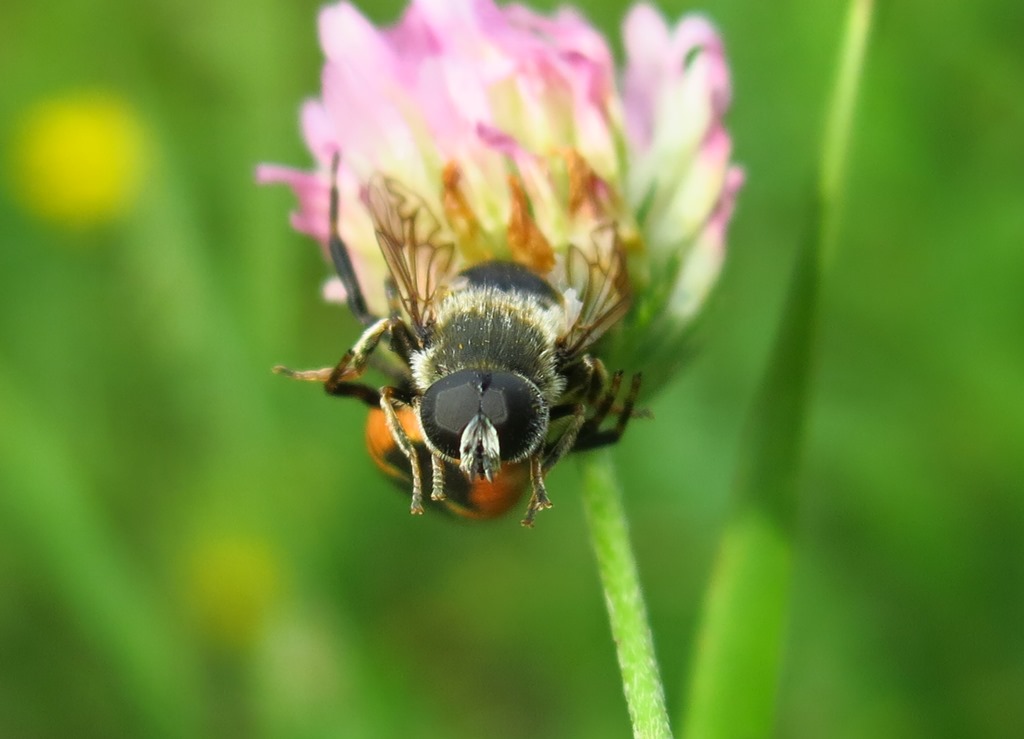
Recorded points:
(191, 546)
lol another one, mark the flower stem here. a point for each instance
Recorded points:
(641, 681)
(735, 670)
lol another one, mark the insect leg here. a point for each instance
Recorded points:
(567, 441)
(539, 499)
(365, 393)
(597, 377)
(604, 405)
(368, 395)
(388, 397)
(560, 411)
(403, 341)
(342, 260)
(591, 438)
(317, 375)
(353, 364)
(437, 478)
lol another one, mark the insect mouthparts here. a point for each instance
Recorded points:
(479, 450)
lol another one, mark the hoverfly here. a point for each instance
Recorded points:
(495, 382)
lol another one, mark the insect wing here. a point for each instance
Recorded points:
(599, 283)
(419, 258)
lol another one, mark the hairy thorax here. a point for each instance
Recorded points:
(491, 329)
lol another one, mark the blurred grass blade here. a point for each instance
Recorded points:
(71, 551)
(645, 696)
(840, 119)
(735, 670)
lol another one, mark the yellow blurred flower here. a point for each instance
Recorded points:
(233, 583)
(78, 160)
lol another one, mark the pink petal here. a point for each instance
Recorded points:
(464, 29)
(319, 132)
(311, 190)
(467, 93)
(334, 291)
(347, 37)
(656, 59)
(722, 214)
(414, 35)
(360, 89)
(500, 141)
(302, 183)
(370, 126)
(646, 40)
(572, 46)
(561, 50)
(696, 32)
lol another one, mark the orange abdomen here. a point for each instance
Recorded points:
(479, 499)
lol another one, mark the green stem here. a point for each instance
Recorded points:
(735, 671)
(645, 696)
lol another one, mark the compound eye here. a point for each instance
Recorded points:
(447, 408)
(515, 408)
(512, 404)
